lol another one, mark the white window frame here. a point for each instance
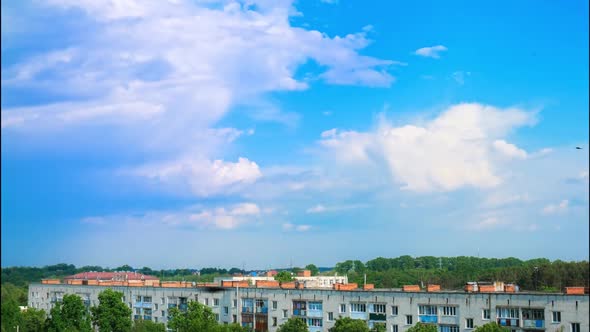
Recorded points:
(553, 316)
(330, 316)
(358, 307)
(409, 320)
(577, 329)
(394, 328)
(379, 308)
(274, 305)
(467, 321)
(342, 306)
(448, 311)
(394, 310)
(483, 314)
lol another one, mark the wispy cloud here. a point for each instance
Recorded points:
(556, 208)
(298, 228)
(459, 76)
(431, 51)
(322, 209)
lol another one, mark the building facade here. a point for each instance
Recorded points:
(265, 309)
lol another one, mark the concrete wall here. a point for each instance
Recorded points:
(573, 308)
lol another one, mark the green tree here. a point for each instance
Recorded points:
(111, 314)
(69, 315)
(421, 327)
(348, 324)
(379, 327)
(491, 327)
(33, 320)
(147, 326)
(232, 328)
(196, 318)
(314, 269)
(284, 276)
(293, 324)
(11, 315)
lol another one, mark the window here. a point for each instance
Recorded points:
(163, 313)
(429, 310)
(469, 323)
(156, 319)
(330, 316)
(449, 311)
(394, 328)
(343, 308)
(408, 319)
(234, 318)
(575, 327)
(217, 317)
(274, 321)
(156, 306)
(206, 301)
(274, 305)
(556, 317)
(162, 301)
(235, 303)
(358, 307)
(138, 298)
(485, 315)
(314, 322)
(226, 310)
(379, 308)
(534, 314)
(315, 306)
(394, 310)
(507, 313)
(137, 311)
(285, 313)
(215, 302)
(448, 328)
(147, 299)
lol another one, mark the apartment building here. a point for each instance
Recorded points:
(265, 309)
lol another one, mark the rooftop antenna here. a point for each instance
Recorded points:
(440, 263)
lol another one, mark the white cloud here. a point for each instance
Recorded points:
(509, 150)
(488, 223)
(451, 151)
(431, 52)
(225, 218)
(204, 177)
(321, 208)
(556, 208)
(298, 228)
(501, 199)
(316, 209)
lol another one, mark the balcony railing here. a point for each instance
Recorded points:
(263, 310)
(142, 305)
(248, 309)
(183, 307)
(299, 312)
(314, 313)
(533, 323)
(429, 319)
(378, 317)
(147, 317)
(508, 321)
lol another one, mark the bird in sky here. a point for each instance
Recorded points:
(578, 148)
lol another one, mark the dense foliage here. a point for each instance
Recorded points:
(197, 318)
(348, 324)
(69, 315)
(454, 272)
(284, 276)
(421, 327)
(293, 324)
(491, 327)
(111, 314)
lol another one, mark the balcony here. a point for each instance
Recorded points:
(147, 317)
(172, 305)
(137, 317)
(147, 305)
(507, 321)
(533, 323)
(248, 309)
(183, 307)
(263, 310)
(358, 315)
(377, 317)
(449, 320)
(299, 312)
(314, 313)
(315, 328)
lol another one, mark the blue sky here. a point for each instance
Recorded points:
(203, 133)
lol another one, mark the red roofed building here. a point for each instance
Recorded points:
(114, 276)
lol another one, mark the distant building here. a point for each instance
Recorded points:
(110, 276)
(308, 282)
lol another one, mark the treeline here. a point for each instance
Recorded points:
(453, 272)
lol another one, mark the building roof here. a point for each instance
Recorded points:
(110, 276)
